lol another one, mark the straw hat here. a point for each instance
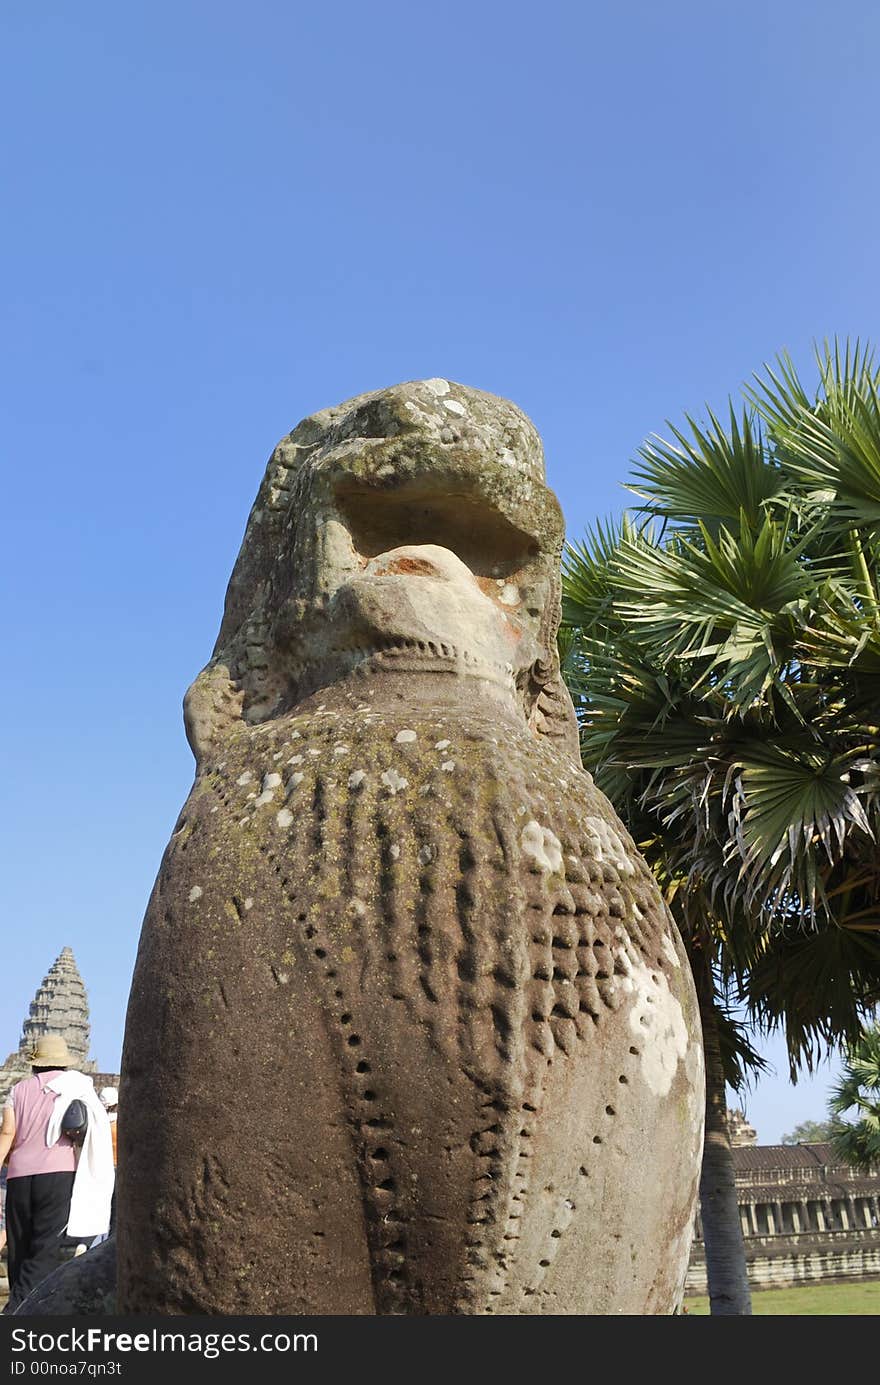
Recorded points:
(50, 1051)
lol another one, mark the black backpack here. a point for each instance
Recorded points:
(75, 1122)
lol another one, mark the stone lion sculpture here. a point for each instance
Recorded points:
(410, 1029)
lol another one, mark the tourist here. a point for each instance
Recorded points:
(40, 1177)
(110, 1101)
(2, 1209)
(93, 1184)
(53, 1189)
(109, 1098)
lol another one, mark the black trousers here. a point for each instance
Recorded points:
(37, 1211)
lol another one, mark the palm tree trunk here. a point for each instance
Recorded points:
(722, 1232)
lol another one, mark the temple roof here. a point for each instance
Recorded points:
(748, 1157)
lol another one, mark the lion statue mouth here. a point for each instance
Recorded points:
(419, 608)
(427, 656)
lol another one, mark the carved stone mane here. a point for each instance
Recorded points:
(410, 1029)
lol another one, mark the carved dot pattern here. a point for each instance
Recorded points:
(540, 1003)
(386, 1227)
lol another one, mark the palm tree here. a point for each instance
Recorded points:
(857, 1141)
(636, 719)
(722, 645)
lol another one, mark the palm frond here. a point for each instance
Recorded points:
(816, 986)
(830, 446)
(857, 1096)
(736, 601)
(588, 582)
(711, 476)
(740, 1059)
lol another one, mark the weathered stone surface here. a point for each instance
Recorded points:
(84, 1287)
(410, 1030)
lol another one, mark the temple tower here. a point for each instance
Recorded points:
(60, 1006)
(741, 1133)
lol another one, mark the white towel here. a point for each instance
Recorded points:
(95, 1175)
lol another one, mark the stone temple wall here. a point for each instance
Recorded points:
(805, 1218)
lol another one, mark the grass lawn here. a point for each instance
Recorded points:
(808, 1300)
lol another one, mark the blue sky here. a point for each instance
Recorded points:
(219, 218)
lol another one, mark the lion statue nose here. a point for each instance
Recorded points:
(420, 560)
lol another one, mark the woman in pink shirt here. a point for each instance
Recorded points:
(40, 1177)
